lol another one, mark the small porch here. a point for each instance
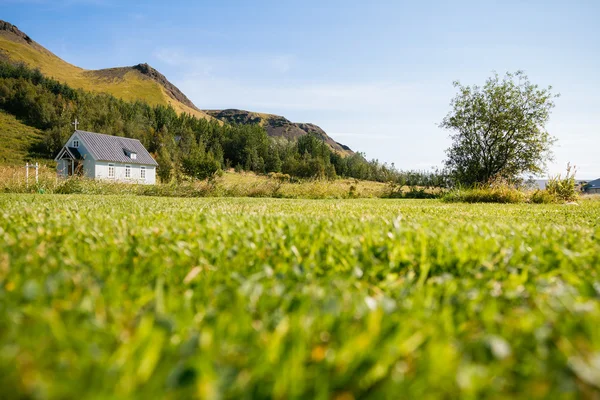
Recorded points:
(69, 162)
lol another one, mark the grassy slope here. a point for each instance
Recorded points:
(128, 297)
(16, 140)
(133, 86)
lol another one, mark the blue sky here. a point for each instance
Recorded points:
(375, 75)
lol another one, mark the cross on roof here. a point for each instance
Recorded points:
(75, 123)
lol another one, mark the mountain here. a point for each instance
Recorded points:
(140, 82)
(277, 126)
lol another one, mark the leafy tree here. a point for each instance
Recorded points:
(499, 130)
(199, 164)
(165, 165)
(273, 160)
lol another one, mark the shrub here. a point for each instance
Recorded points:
(564, 189)
(542, 197)
(352, 191)
(414, 192)
(279, 176)
(200, 167)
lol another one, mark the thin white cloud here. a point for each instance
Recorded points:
(172, 57)
(138, 16)
(385, 98)
(282, 63)
(202, 66)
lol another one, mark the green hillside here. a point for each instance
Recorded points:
(140, 82)
(19, 141)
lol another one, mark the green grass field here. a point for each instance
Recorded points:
(133, 297)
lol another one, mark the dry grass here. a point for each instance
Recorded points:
(507, 194)
(13, 179)
(499, 194)
(247, 183)
(230, 184)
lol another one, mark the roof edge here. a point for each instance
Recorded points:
(64, 149)
(155, 164)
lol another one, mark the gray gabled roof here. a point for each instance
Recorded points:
(593, 184)
(113, 148)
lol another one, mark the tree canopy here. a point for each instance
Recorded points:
(499, 130)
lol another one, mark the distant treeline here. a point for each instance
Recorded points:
(181, 144)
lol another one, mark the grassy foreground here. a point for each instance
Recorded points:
(143, 297)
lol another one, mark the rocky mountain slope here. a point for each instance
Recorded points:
(277, 126)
